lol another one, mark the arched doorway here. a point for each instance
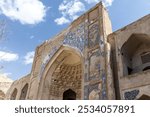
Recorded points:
(2, 95)
(14, 94)
(64, 71)
(69, 95)
(24, 92)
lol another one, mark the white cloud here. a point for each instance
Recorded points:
(5, 77)
(92, 1)
(8, 56)
(69, 10)
(61, 20)
(25, 11)
(28, 59)
(5, 74)
(106, 2)
(72, 7)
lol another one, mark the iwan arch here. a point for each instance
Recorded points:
(88, 61)
(62, 73)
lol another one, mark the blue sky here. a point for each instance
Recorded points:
(30, 22)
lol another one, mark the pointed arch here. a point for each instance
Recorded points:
(14, 94)
(2, 95)
(24, 92)
(135, 54)
(67, 63)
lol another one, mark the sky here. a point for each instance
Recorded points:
(31, 22)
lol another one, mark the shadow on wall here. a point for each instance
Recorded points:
(2, 95)
(136, 54)
(24, 92)
(144, 97)
(14, 94)
(22, 95)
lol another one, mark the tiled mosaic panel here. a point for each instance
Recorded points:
(75, 37)
(100, 88)
(94, 64)
(92, 92)
(104, 85)
(94, 35)
(131, 95)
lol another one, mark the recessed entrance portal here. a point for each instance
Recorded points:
(65, 72)
(69, 95)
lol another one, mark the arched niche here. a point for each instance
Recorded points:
(64, 71)
(24, 92)
(69, 95)
(2, 95)
(14, 94)
(135, 54)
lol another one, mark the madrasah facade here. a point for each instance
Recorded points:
(87, 61)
